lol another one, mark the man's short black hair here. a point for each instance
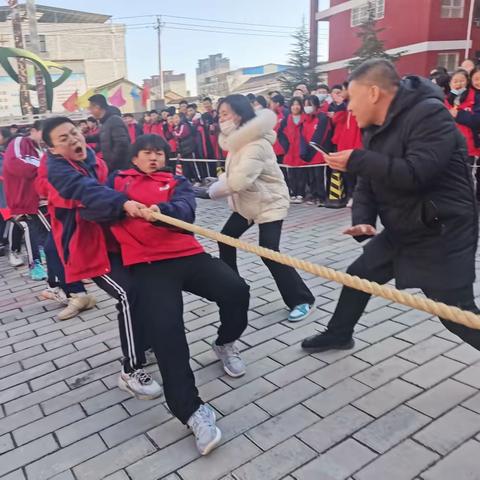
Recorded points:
(82, 121)
(251, 97)
(192, 105)
(280, 99)
(183, 102)
(153, 111)
(324, 86)
(377, 71)
(337, 86)
(207, 99)
(149, 142)
(130, 115)
(37, 125)
(92, 119)
(99, 100)
(50, 124)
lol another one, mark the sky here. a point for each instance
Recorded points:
(182, 48)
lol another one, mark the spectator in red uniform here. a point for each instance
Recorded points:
(134, 129)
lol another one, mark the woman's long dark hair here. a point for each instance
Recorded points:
(451, 97)
(240, 105)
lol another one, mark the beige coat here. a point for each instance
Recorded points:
(253, 181)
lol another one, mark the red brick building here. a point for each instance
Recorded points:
(431, 32)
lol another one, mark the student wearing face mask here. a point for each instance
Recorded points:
(316, 128)
(462, 99)
(290, 137)
(257, 193)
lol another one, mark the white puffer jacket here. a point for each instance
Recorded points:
(253, 181)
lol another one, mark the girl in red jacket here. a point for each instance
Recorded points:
(459, 101)
(316, 128)
(166, 261)
(290, 136)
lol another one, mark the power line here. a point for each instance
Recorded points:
(230, 33)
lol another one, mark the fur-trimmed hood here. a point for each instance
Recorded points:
(258, 128)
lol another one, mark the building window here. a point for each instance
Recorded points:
(448, 60)
(452, 8)
(360, 14)
(43, 43)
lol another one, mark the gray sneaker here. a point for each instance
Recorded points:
(229, 355)
(207, 434)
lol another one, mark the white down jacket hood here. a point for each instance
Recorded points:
(253, 180)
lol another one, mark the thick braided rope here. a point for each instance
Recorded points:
(441, 310)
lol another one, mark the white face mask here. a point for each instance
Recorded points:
(227, 127)
(309, 109)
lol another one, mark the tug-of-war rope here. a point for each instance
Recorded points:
(439, 309)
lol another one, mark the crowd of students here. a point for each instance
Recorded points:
(84, 198)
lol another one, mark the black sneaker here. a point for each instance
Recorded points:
(326, 341)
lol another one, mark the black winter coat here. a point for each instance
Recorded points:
(114, 141)
(413, 175)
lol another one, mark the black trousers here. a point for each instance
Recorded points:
(352, 303)
(291, 286)
(297, 181)
(56, 271)
(316, 182)
(119, 285)
(160, 285)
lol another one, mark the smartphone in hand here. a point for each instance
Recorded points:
(318, 148)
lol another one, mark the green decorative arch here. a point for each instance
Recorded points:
(44, 66)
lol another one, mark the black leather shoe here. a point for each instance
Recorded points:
(326, 341)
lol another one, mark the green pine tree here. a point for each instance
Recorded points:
(299, 70)
(372, 46)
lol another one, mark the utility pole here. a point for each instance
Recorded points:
(35, 48)
(25, 104)
(159, 37)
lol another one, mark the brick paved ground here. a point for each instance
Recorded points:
(405, 404)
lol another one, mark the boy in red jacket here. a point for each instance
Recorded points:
(20, 168)
(78, 200)
(166, 261)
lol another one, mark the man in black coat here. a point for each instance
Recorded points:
(413, 175)
(113, 137)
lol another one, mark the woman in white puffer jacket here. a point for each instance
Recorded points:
(257, 193)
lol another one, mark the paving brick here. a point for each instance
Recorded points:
(241, 396)
(328, 376)
(426, 350)
(12, 393)
(412, 317)
(391, 429)
(462, 464)
(37, 341)
(403, 462)
(464, 353)
(378, 316)
(90, 425)
(165, 461)
(338, 463)
(441, 398)
(336, 397)
(264, 334)
(114, 459)
(26, 375)
(47, 356)
(379, 332)
(221, 461)
(470, 376)
(382, 350)
(281, 427)
(449, 431)
(48, 424)
(387, 397)
(76, 356)
(294, 371)
(17, 420)
(289, 354)
(473, 403)
(332, 356)
(27, 453)
(277, 462)
(66, 458)
(433, 372)
(132, 426)
(254, 370)
(104, 400)
(383, 372)
(58, 375)
(334, 428)
(19, 356)
(287, 397)
(6, 443)
(71, 397)
(421, 331)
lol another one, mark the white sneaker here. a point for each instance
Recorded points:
(15, 259)
(56, 294)
(139, 384)
(78, 302)
(229, 355)
(207, 434)
(350, 203)
(298, 199)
